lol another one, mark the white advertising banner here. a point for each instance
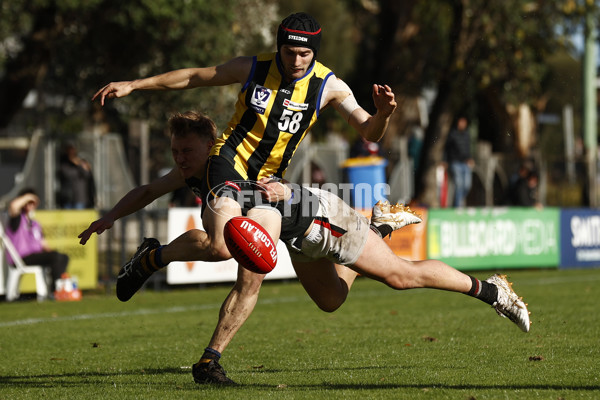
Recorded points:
(184, 219)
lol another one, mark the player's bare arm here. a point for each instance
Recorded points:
(373, 127)
(370, 127)
(134, 200)
(233, 71)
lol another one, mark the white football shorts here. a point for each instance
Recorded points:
(339, 233)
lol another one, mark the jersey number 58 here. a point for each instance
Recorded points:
(290, 121)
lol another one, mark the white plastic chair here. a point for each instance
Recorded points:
(16, 271)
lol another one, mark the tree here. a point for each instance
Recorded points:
(68, 49)
(483, 57)
(470, 52)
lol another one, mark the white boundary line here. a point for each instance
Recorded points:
(141, 311)
(586, 277)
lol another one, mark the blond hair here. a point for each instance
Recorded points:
(182, 124)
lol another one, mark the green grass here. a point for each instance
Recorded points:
(382, 344)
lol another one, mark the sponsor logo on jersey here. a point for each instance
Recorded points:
(292, 105)
(260, 99)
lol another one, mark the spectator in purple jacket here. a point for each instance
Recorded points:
(26, 235)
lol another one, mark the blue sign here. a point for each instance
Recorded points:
(580, 238)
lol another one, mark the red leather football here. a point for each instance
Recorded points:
(250, 244)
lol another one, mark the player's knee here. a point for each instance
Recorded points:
(398, 282)
(329, 308)
(217, 250)
(248, 284)
(220, 252)
(405, 275)
(331, 304)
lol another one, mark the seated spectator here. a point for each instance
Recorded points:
(26, 235)
(525, 192)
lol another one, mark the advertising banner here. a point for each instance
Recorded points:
(184, 219)
(410, 242)
(580, 238)
(489, 238)
(61, 228)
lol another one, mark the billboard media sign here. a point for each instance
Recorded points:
(507, 237)
(580, 238)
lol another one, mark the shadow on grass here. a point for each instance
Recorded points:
(82, 378)
(87, 378)
(389, 386)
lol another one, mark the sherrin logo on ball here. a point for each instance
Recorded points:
(250, 244)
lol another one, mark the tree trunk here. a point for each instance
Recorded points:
(442, 112)
(432, 152)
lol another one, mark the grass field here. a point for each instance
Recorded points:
(382, 344)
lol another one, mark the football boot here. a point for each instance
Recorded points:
(210, 372)
(508, 304)
(133, 274)
(396, 216)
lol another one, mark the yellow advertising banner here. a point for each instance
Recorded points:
(61, 228)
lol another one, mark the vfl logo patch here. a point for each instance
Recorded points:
(260, 99)
(292, 105)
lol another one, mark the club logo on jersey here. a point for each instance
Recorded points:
(292, 105)
(260, 99)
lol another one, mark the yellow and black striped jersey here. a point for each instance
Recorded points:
(271, 118)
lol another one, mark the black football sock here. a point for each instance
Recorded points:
(374, 229)
(158, 257)
(152, 262)
(483, 291)
(209, 355)
(382, 230)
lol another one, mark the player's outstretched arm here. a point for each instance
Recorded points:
(233, 71)
(98, 226)
(134, 200)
